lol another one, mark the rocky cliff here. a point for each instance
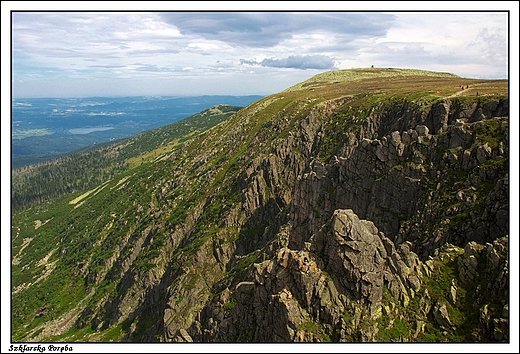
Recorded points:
(369, 209)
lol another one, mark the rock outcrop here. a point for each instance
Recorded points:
(342, 289)
(400, 181)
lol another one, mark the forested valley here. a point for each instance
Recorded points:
(84, 169)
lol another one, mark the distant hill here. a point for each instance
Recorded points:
(361, 74)
(369, 205)
(45, 128)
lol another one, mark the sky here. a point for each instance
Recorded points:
(81, 54)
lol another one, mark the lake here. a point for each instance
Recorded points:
(88, 130)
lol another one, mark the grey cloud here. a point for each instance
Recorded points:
(492, 45)
(248, 62)
(296, 62)
(152, 52)
(265, 29)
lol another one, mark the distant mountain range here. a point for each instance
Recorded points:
(44, 128)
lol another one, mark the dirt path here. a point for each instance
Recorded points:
(458, 93)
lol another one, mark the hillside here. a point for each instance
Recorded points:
(43, 129)
(87, 168)
(356, 206)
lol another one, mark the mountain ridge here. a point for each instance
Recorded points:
(358, 74)
(341, 212)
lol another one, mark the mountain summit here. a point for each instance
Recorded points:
(359, 205)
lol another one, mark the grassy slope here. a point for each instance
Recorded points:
(85, 169)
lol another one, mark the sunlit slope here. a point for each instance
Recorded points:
(84, 169)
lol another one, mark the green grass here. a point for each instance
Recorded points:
(230, 304)
(316, 330)
(21, 134)
(352, 75)
(244, 263)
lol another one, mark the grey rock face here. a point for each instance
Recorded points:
(302, 295)
(337, 240)
(336, 264)
(400, 181)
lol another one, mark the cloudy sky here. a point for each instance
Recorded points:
(189, 53)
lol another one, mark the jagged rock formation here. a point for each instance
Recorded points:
(365, 210)
(335, 291)
(399, 180)
(315, 288)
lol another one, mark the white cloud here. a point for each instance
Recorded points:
(105, 46)
(321, 62)
(459, 42)
(206, 46)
